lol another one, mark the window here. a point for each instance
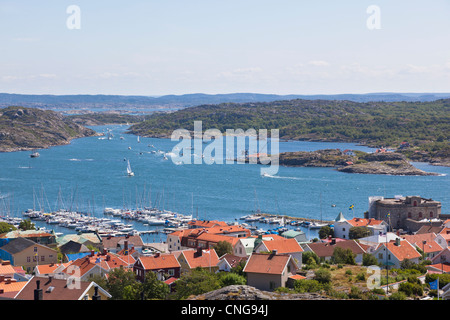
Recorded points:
(28, 259)
(171, 272)
(420, 214)
(431, 214)
(380, 256)
(42, 258)
(415, 203)
(409, 215)
(35, 249)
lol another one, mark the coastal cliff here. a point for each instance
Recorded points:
(24, 129)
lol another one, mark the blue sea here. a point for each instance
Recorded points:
(89, 174)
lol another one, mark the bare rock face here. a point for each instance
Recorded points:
(31, 128)
(243, 292)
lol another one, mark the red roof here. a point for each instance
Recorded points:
(162, 261)
(283, 245)
(266, 263)
(208, 258)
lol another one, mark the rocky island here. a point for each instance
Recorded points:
(24, 129)
(390, 163)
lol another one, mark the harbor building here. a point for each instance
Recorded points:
(408, 213)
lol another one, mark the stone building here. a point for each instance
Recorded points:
(408, 213)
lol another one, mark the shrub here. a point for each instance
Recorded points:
(369, 260)
(302, 286)
(397, 296)
(323, 276)
(410, 289)
(361, 276)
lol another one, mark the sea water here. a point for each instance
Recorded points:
(89, 174)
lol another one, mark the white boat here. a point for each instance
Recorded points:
(34, 155)
(129, 171)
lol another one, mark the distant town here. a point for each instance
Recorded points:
(399, 250)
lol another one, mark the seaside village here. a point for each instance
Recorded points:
(394, 233)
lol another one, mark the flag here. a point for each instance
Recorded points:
(98, 260)
(433, 285)
(351, 207)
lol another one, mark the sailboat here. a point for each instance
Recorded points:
(129, 172)
(318, 225)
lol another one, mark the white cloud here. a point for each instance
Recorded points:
(318, 63)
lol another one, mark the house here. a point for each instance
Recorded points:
(244, 247)
(283, 246)
(442, 238)
(6, 269)
(192, 259)
(300, 236)
(205, 238)
(41, 288)
(373, 241)
(269, 271)
(52, 269)
(426, 243)
(115, 244)
(73, 247)
(446, 292)
(96, 264)
(325, 250)
(395, 252)
(163, 265)
(229, 261)
(342, 228)
(27, 253)
(441, 262)
(10, 287)
(85, 238)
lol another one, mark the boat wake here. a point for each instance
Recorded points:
(266, 175)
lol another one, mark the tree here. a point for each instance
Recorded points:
(344, 256)
(223, 247)
(325, 232)
(122, 285)
(195, 282)
(26, 225)
(6, 227)
(369, 260)
(306, 256)
(152, 288)
(358, 232)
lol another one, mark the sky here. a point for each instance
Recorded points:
(155, 47)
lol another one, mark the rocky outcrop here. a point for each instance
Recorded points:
(31, 128)
(243, 292)
(397, 167)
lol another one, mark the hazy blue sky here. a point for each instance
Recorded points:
(157, 47)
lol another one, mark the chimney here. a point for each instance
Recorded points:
(96, 296)
(92, 253)
(38, 291)
(2, 278)
(156, 254)
(333, 240)
(125, 245)
(105, 251)
(397, 242)
(199, 252)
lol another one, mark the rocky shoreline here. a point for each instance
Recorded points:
(26, 129)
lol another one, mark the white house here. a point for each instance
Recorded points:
(282, 246)
(342, 226)
(395, 252)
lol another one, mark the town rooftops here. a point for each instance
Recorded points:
(56, 289)
(418, 240)
(267, 263)
(206, 223)
(232, 260)
(9, 287)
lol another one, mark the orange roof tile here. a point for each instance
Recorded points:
(283, 245)
(404, 251)
(266, 263)
(163, 261)
(359, 222)
(6, 269)
(206, 259)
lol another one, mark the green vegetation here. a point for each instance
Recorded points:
(103, 118)
(6, 227)
(424, 125)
